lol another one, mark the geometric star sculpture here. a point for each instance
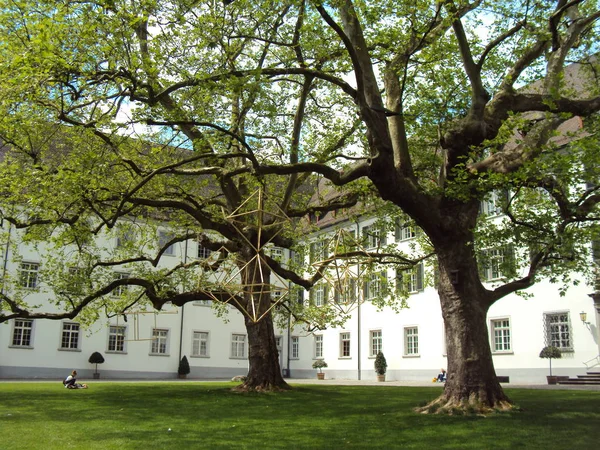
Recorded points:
(345, 275)
(229, 280)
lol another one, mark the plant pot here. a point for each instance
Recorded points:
(182, 376)
(381, 377)
(96, 376)
(552, 379)
(320, 376)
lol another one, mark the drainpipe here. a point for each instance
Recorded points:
(358, 310)
(182, 310)
(6, 252)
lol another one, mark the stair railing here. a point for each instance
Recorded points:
(592, 362)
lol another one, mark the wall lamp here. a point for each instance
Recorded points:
(583, 317)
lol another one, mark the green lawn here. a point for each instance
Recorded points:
(209, 415)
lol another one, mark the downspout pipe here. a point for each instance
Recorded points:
(182, 309)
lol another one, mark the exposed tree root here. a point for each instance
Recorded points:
(473, 405)
(262, 388)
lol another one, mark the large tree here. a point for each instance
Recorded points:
(439, 105)
(103, 144)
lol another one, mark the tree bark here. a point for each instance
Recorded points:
(264, 372)
(472, 386)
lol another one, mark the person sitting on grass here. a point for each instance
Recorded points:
(441, 378)
(71, 382)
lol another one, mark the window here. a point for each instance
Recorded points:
(318, 346)
(22, 333)
(318, 251)
(493, 202)
(374, 236)
(411, 341)
(345, 291)
(200, 343)
(376, 339)
(276, 253)
(203, 252)
(116, 338)
(295, 347)
(374, 284)
(203, 302)
(404, 230)
(70, 336)
(344, 345)
(558, 330)
(163, 238)
(125, 237)
(494, 263)
(318, 294)
(28, 276)
(411, 280)
(238, 346)
(121, 290)
(160, 341)
(501, 335)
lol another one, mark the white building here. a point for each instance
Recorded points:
(150, 345)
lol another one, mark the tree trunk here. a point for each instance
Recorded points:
(472, 386)
(264, 372)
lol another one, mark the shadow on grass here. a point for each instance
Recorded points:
(203, 415)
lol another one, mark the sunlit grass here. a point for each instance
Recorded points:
(210, 415)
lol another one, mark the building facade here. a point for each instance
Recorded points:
(145, 344)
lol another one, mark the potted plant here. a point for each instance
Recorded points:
(320, 364)
(184, 368)
(549, 353)
(380, 366)
(96, 358)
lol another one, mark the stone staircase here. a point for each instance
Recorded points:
(588, 378)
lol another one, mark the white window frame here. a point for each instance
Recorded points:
(501, 335)
(122, 290)
(117, 339)
(375, 236)
(295, 351)
(203, 252)
(412, 280)
(238, 346)
(22, 330)
(29, 274)
(319, 294)
(318, 250)
(200, 344)
(494, 258)
(375, 342)
(125, 235)
(373, 285)
(491, 205)
(318, 346)
(160, 342)
(71, 330)
(344, 292)
(163, 238)
(411, 341)
(404, 231)
(559, 333)
(203, 303)
(345, 345)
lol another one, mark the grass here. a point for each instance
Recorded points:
(209, 415)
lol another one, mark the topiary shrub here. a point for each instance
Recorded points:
(380, 364)
(96, 358)
(184, 366)
(550, 352)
